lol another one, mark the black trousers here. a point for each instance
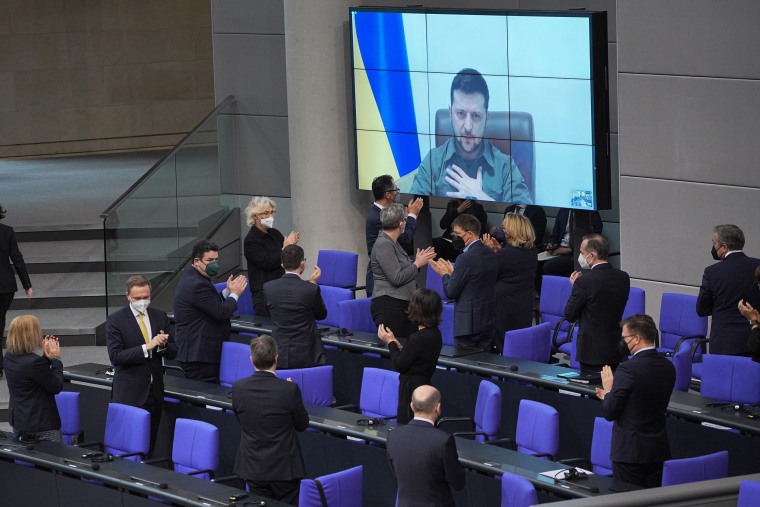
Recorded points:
(154, 404)
(260, 307)
(391, 312)
(6, 298)
(483, 340)
(646, 475)
(284, 491)
(207, 372)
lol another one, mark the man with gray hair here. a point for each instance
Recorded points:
(270, 411)
(724, 284)
(424, 458)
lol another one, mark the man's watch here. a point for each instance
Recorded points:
(753, 322)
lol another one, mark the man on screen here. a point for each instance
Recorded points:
(468, 166)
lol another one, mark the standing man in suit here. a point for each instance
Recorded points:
(472, 285)
(424, 458)
(295, 306)
(202, 315)
(597, 301)
(270, 412)
(9, 252)
(725, 284)
(385, 191)
(138, 358)
(636, 398)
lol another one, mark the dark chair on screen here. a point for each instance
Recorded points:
(517, 491)
(316, 383)
(749, 492)
(332, 296)
(341, 489)
(487, 418)
(732, 379)
(701, 468)
(511, 132)
(127, 433)
(338, 268)
(68, 409)
(531, 343)
(355, 315)
(235, 363)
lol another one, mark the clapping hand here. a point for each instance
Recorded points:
(386, 335)
(442, 267)
(415, 206)
(424, 256)
(315, 275)
(748, 311)
(491, 242)
(291, 239)
(237, 284)
(51, 347)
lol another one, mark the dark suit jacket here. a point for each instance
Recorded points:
(723, 285)
(637, 403)
(537, 217)
(560, 225)
(597, 301)
(262, 253)
(33, 382)
(424, 461)
(472, 286)
(9, 252)
(202, 318)
(372, 228)
(476, 209)
(270, 412)
(132, 382)
(295, 305)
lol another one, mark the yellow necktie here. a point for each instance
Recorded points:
(144, 329)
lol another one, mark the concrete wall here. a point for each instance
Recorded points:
(96, 75)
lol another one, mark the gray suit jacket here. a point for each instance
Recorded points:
(395, 275)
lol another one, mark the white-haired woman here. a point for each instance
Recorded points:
(262, 248)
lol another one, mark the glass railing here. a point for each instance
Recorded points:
(151, 228)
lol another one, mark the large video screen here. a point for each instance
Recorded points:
(493, 106)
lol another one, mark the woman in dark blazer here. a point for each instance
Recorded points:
(33, 381)
(9, 252)
(262, 247)
(416, 361)
(394, 274)
(518, 260)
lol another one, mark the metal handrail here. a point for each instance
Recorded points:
(228, 100)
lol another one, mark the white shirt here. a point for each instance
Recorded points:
(432, 423)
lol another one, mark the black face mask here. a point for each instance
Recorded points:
(457, 242)
(623, 349)
(714, 253)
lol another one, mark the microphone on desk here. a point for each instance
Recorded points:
(373, 421)
(343, 332)
(159, 485)
(93, 466)
(513, 367)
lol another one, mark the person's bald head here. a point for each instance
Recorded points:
(426, 402)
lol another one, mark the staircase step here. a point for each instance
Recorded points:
(73, 326)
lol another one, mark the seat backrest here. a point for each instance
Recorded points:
(487, 410)
(434, 282)
(531, 343)
(601, 442)
(701, 468)
(127, 430)
(196, 447)
(316, 383)
(678, 318)
(342, 489)
(235, 363)
(338, 268)
(517, 491)
(636, 302)
(749, 492)
(537, 428)
(447, 325)
(245, 300)
(332, 296)
(511, 132)
(682, 363)
(730, 378)
(355, 315)
(555, 291)
(379, 394)
(68, 409)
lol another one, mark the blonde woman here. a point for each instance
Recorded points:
(262, 248)
(33, 381)
(517, 259)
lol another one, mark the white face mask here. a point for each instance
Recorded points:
(268, 222)
(583, 262)
(140, 305)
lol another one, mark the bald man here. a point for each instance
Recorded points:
(424, 458)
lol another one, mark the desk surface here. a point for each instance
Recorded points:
(130, 475)
(489, 459)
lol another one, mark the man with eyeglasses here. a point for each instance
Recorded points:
(202, 315)
(385, 192)
(636, 398)
(472, 285)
